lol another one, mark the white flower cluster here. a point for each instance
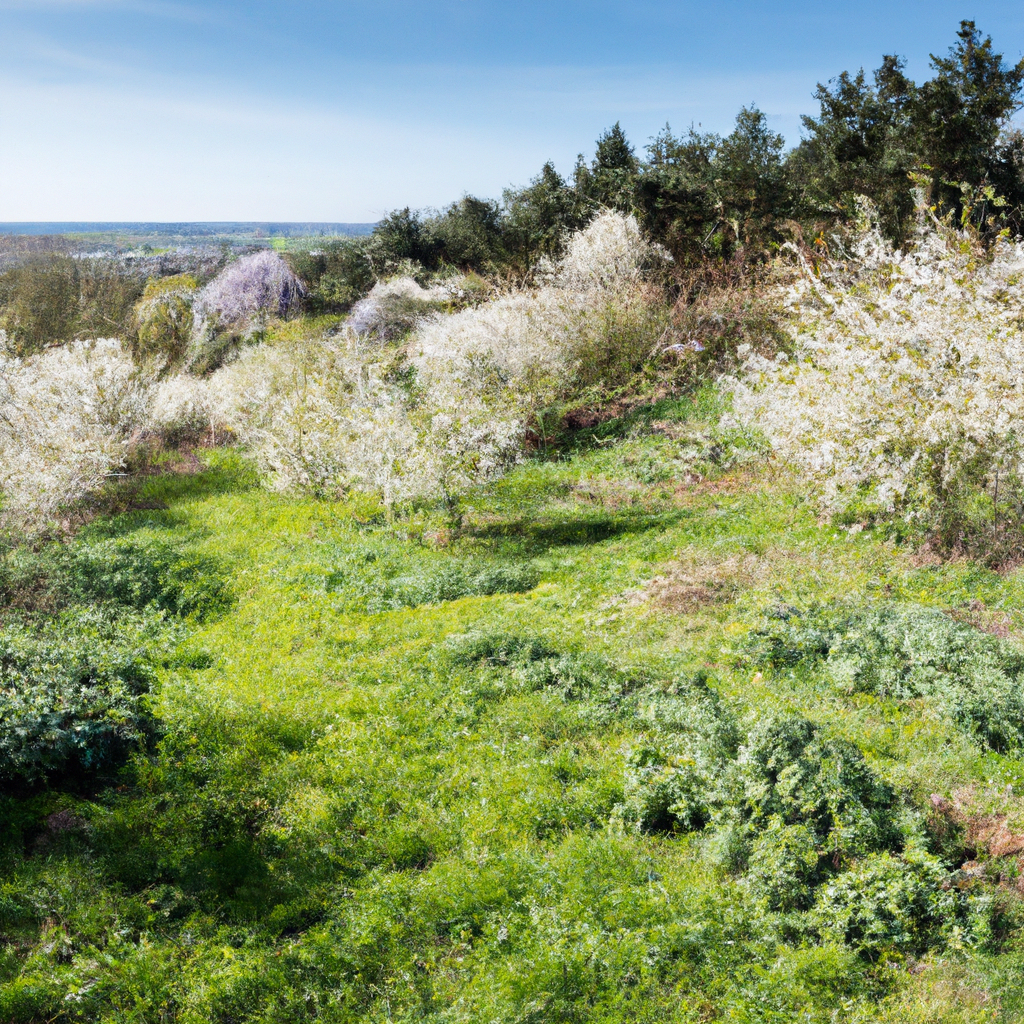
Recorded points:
(336, 412)
(68, 417)
(519, 350)
(907, 379)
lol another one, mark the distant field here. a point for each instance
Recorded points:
(185, 229)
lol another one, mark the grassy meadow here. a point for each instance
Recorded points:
(392, 777)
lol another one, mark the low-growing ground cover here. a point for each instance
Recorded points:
(606, 753)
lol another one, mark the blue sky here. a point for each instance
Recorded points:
(266, 110)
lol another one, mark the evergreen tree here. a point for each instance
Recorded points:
(539, 216)
(861, 143)
(754, 183)
(961, 114)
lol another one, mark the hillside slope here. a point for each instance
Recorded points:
(514, 774)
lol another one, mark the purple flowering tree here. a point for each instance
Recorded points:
(250, 289)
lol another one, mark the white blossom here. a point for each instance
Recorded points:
(68, 418)
(907, 378)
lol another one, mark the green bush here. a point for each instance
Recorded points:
(380, 585)
(164, 320)
(74, 694)
(496, 648)
(784, 865)
(906, 653)
(788, 770)
(906, 904)
(130, 571)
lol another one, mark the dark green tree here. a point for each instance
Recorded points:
(961, 115)
(862, 143)
(677, 197)
(468, 235)
(611, 177)
(755, 189)
(539, 216)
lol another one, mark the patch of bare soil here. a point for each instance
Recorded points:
(692, 582)
(974, 613)
(985, 835)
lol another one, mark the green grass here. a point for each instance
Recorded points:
(345, 819)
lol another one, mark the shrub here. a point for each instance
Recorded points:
(381, 587)
(164, 320)
(182, 403)
(907, 653)
(784, 865)
(324, 415)
(260, 284)
(46, 300)
(393, 308)
(237, 303)
(906, 904)
(786, 774)
(496, 648)
(68, 417)
(527, 349)
(74, 694)
(337, 273)
(899, 401)
(788, 771)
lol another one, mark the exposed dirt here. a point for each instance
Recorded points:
(692, 583)
(998, 623)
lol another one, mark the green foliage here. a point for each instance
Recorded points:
(784, 865)
(906, 904)
(961, 113)
(389, 585)
(861, 144)
(164, 320)
(128, 571)
(951, 130)
(85, 630)
(538, 217)
(74, 694)
(337, 273)
(46, 300)
(906, 653)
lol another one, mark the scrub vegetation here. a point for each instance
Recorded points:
(604, 605)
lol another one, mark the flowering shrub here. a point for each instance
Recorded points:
(393, 308)
(256, 285)
(332, 414)
(181, 402)
(236, 305)
(524, 350)
(902, 398)
(68, 417)
(349, 411)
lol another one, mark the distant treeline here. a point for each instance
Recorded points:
(876, 144)
(708, 197)
(183, 229)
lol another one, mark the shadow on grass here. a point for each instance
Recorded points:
(150, 500)
(540, 535)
